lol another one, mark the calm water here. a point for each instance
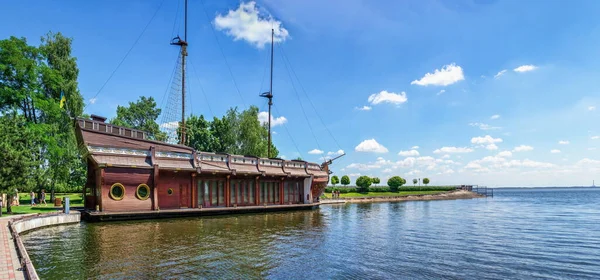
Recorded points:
(518, 234)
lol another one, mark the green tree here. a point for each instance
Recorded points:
(141, 115)
(335, 180)
(425, 181)
(376, 180)
(31, 82)
(415, 181)
(234, 133)
(199, 136)
(345, 180)
(363, 183)
(18, 167)
(395, 182)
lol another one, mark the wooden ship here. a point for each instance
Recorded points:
(133, 177)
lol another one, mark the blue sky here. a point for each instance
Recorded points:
(510, 99)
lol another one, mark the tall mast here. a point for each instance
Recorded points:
(183, 45)
(269, 95)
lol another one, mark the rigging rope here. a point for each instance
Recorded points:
(288, 133)
(201, 88)
(302, 106)
(223, 53)
(128, 52)
(311, 103)
(175, 21)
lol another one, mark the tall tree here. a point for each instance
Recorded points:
(31, 81)
(141, 115)
(415, 181)
(426, 181)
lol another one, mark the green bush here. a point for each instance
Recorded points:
(395, 182)
(335, 180)
(345, 180)
(363, 183)
(379, 189)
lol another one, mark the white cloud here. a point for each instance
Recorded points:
(387, 97)
(441, 92)
(505, 154)
(591, 108)
(411, 153)
(449, 74)
(93, 100)
(485, 140)
(387, 170)
(563, 142)
(263, 118)
(525, 68)
(473, 165)
(491, 147)
(499, 74)
(415, 147)
(592, 149)
(370, 146)
(495, 117)
(247, 23)
(284, 157)
(522, 148)
(363, 108)
(363, 166)
(453, 150)
(595, 137)
(339, 152)
(446, 156)
(555, 151)
(483, 126)
(315, 152)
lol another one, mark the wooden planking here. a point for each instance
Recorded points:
(130, 178)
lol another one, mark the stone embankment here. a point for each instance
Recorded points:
(14, 260)
(457, 194)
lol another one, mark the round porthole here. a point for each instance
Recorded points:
(117, 191)
(143, 192)
(170, 191)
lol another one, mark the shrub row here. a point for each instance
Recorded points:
(353, 189)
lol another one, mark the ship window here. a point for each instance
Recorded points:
(243, 160)
(117, 191)
(211, 158)
(170, 191)
(142, 192)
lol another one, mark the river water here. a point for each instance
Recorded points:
(518, 234)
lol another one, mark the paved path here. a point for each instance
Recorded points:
(10, 267)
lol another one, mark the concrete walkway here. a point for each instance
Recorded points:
(10, 267)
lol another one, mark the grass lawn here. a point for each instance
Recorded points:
(26, 208)
(376, 194)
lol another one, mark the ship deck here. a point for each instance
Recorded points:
(93, 216)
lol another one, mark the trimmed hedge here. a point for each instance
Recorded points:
(353, 189)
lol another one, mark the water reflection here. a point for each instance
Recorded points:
(514, 235)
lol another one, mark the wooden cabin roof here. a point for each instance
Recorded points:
(111, 145)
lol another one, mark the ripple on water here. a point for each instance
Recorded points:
(515, 235)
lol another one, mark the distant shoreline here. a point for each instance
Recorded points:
(456, 194)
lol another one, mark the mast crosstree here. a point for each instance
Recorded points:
(269, 95)
(183, 45)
